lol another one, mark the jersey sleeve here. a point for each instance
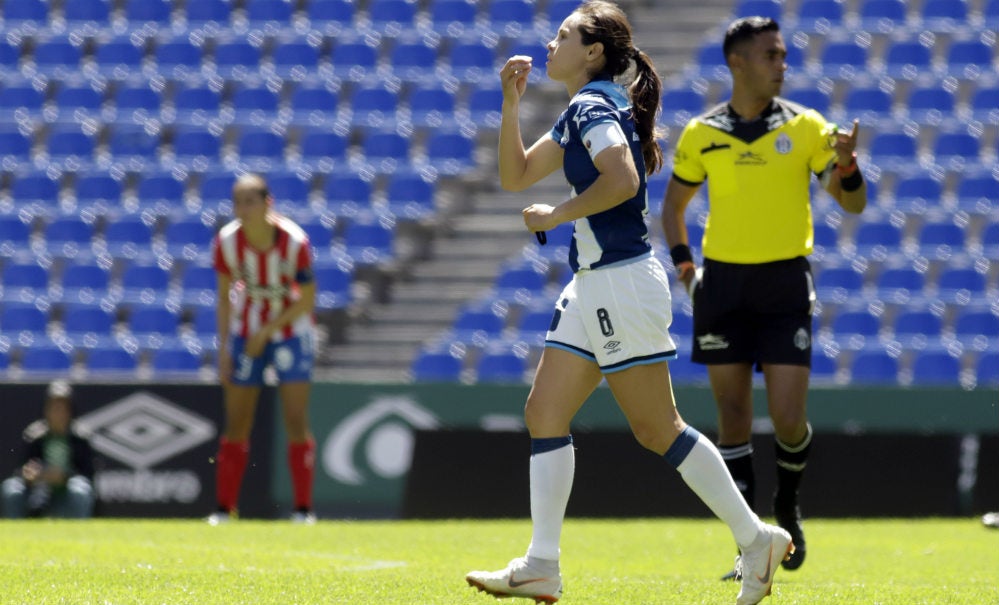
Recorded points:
(218, 259)
(303, 263)
(687, 164)
(823, 154)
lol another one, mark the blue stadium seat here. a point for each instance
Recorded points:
(869, 104)
(825, 236)
(961, 284)
(89, 278)
(484, 105)
(70, 145)
(893, 150)
(991, 14)
(957, 149)
(15, 147)
(990, 241)
(144, 283)
(137, 98)
(295, 60)
(684, 371)
(16, 318)
(453, 17)
(179, 58)
(536, 320)
(320, 233)
(877, 235)
(883, 15)
(683, 101)
(848, 325)
(289, 187)
(71, 230)
(973, 322)
(370, 240)
(256, 105)
(58, 56)
(138, 145)
(29, 187)
(10, 57)
(15, 232)
(386, 12)
(479, 322)
(128, 237)
(119, 58)
(410, 196)
(321, 12)
(314, 105)
(261, 13)
(24, 12)
(196, 145)
(512, 278)
(811, 97)
(204, 320)
(157, 13)
(261, 149)
(710, 61)
(557, 10)
(502, 364)
(110, 359)
(347, 193)
(935, 368)
(987, 369)
(175, 360)
(940, 239)
(969, 57)
(944, 15)
(199, 287)
(436, 365)
(839, 59)
(682, 326)
(202, 12)
(319, 148)
(216, 187)
(978, 192)
(333, 283)
(83, 321)
(46, 358)
(196, 104)
(147, 320)
(873, 368)
(985, 103)
(95, 11)
(450, 153)
(158, 187)
(16, 98)
(354, 61)
(917, 323)
(385, 152)
(820, 15)
(431, 106)
(373, 106)
(930, 105)
(908, 59)
(838, 283)
(414, 61)
(76, 101)
(236, 59)
(917, 193)
(471, 61)
(763, 8)
(899, 283)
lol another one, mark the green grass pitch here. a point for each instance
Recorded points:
(634, 562)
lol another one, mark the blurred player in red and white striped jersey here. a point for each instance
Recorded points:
(265, 319)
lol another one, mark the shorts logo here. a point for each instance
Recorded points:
(613, 346)
(712, 342)
(284, 358)
(801, 339)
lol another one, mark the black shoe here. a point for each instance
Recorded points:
(732, 576)
(788, 516)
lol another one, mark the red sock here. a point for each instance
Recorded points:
(230, 466)
(301, 461)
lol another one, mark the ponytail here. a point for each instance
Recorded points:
(646, 92)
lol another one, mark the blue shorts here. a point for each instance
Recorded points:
(292, 359)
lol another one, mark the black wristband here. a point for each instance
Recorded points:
(680, 253)
(851, 182)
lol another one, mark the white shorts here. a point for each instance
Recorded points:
(617, 316)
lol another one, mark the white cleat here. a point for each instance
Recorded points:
(760, 561)
(518, 580)
(302, 518)
(991, 520)
(220, 518)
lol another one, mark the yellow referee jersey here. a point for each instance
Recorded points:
(758, 174)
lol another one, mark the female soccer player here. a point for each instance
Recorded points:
(611, 321)
(265, 303)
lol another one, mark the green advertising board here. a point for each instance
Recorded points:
(365, 432)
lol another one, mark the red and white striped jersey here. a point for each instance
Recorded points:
(265, 282)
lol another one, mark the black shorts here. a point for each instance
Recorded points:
(759, 313)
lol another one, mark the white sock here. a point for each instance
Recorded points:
(551, 483)
(704, 471)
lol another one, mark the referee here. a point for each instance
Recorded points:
(754, 297)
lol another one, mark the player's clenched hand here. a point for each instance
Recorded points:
(513, 76)
(846, 144)
(539, 217)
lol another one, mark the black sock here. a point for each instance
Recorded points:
(791, 462)
(739, 460)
